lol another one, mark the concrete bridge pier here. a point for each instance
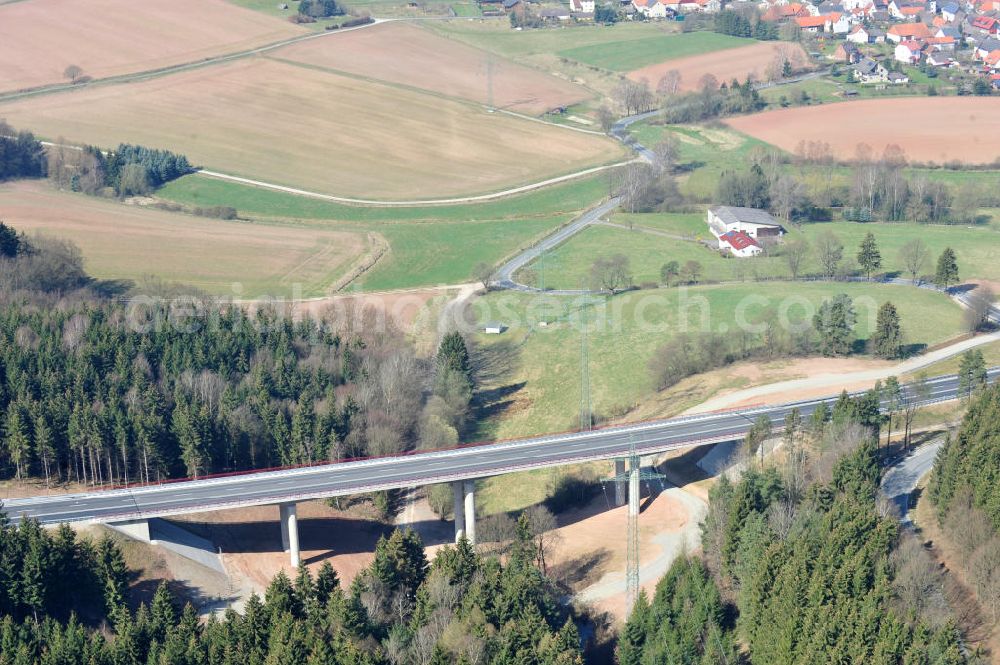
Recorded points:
(470, 511)
(633, 487)
(458, 492)
(290, 532)
(620, 483)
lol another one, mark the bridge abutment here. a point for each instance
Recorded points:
(290, 532)
(135, 529)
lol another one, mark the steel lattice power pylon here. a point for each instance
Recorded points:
(633, 476)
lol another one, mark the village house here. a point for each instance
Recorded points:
(984, 47)
(940, 60)
(784, 12)
(582, 6)
(554, 14)
(985, 25)
(812, 23)
(949, 10)
(870, 71)
(860, 34)
(743, 231)
(905, 31)
(847, 52)
(909, 51)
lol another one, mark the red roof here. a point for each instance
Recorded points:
(914, 46)
(739, 240)
(811, 21)
(984, 22)
(910, 30)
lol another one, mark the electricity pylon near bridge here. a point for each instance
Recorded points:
(632, 477)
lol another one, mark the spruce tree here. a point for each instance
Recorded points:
(947, 269)
(887, 338)
(869, 257)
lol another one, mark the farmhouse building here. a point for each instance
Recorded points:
(757, 225)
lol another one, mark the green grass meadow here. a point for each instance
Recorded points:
(624, 56)
(542, 389)
(429, 245)
(568, 265)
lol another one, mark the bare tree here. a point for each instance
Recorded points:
(73, 73)
(611, 274)
(917, 582)
(669, 84)
(632, 181)
(979, 305)
(786, 196)
(913, 255)
(830, 251)
(543, 526)
(665, 154)
(708, 83)
(605, 118)
(485, 273)
(795, 253)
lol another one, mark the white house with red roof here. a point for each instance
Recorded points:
(743, 231)
(910, 51)
(650, 8)
(582, 6)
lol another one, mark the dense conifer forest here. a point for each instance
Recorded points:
(64, 600)
(802, 563)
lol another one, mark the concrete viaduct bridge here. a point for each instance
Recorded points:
(130, 508)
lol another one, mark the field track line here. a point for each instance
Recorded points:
(371, 202)
(173, 69)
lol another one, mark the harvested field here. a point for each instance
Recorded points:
(409, 55)
(316, 130)
(128, 242)
(932, 129)
(41, 38)
(724, 65)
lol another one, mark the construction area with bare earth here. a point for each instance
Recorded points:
(126, 242)
(306, 128)
(405, 54)
(754, 61)
(928, 129)
(41, 38)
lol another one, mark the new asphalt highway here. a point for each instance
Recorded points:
(418, 469)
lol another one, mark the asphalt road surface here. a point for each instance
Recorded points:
(904, 474)
(480, 461)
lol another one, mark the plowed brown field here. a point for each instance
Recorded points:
(128, 242)
(413, 56)
(928, 129)
(298, 126)
(39, 39)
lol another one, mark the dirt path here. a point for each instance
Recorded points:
(822, 384)
(374, 202)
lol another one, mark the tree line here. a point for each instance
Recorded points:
(98, 392)
(830, 333)
(801, 564)
(21, 154)
(64, 600)
(128, 170)
(964, 487)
